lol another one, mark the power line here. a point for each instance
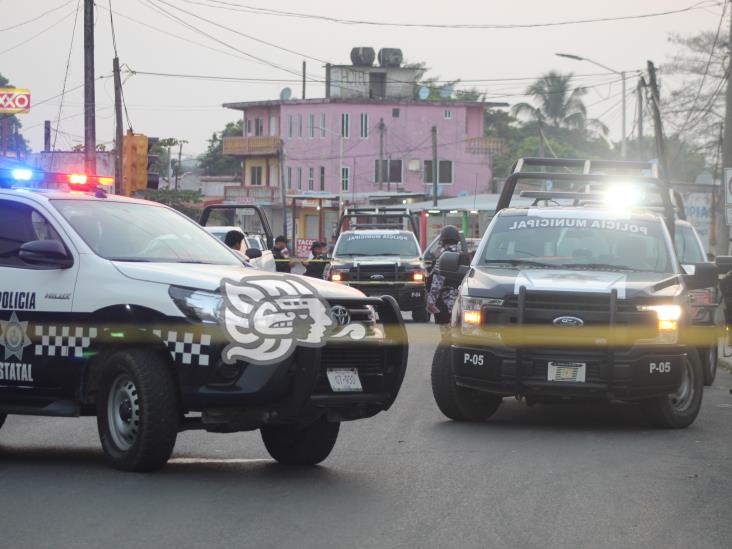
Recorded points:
(234, 6)
(706, 71)
(48, 28)
(37, 17)
(66, 73)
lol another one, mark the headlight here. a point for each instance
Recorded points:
(336, 276)
(471, 309)
(668, 315)
(418, 276)
(197, 305)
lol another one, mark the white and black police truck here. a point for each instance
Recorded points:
(129, 311)
(579, 296)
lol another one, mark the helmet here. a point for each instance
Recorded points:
(449, 233)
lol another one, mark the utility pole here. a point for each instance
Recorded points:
(46, 135)
(435, 169)
(177, 168)
(639, 116)
(304, 76)
(90, 133)
(283, 190)
(388, 175)
(723, 240)
(380, 171)
(623, 144)
(658, 124)
(16, 140)
(119, 136)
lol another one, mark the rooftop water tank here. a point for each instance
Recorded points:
(390, 57)
(363, 57)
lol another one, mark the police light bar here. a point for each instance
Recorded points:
(26, 177)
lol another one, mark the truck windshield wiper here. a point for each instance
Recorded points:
(608, 266)
(515, 262)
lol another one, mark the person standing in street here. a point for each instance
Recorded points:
(282, 255)
(315, 266)
(444, 292)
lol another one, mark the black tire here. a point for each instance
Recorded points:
(420, 315)
(2, 419)
(458, 403)
(137, 411)
(679, 410)
(297, 445)
(710, 359)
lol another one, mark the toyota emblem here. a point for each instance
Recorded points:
(340, 315)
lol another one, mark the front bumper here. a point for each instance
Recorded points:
(408, 295)
(626, 374)
(298, 388)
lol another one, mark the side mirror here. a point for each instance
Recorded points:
(45, 253)
(705, 275)
(452, 265)
(724, 263)
(253, 253)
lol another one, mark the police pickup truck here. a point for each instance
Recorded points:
(580, 296)
(379, 257)
(129, 311)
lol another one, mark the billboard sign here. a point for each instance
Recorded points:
(14, 100)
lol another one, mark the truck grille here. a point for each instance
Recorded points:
(370, 362)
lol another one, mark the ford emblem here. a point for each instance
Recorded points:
(377, 277)
(570, 321)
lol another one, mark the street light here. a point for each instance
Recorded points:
(623, 149)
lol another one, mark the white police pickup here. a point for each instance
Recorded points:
(129, 311)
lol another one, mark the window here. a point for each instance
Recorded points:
(255, 175)
(289, 178)
(345, 125)
(299, 178)
(289, 125)
(272, 126)
(322, 178)
(445, 174)
(322, 124)
(259, 127)
(299, 125)
(391, 171)
(364, 125)
(448, 115)
(20, 224)
(248, 127)
(311, 125)
(345, 178)
(123, 231)
(395, 113)
(311, 179)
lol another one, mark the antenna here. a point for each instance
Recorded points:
(447, 91)
(285, 94)
(424, 93)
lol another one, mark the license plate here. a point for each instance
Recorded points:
(344, 379)
(567, 371)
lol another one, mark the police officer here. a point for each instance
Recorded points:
(281, 255)
(315, 266)
(443, 291)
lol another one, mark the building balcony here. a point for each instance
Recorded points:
(252, 195)
(251, 146)
(485, 145)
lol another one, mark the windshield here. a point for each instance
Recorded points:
(578, 243)
(125, 231)
(359, 244)
(688, 248)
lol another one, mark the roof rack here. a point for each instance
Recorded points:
(376, 216)
(578, 165)
(585, 172)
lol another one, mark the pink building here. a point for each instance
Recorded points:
(369, 139)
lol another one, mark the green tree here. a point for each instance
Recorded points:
(559, 104)
(186, 202)
(213, 161)
(14, 125)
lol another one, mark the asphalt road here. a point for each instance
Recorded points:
(567, 476)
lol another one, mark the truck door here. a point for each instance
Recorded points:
(38, 270)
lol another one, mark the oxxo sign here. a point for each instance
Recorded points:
(14, 100)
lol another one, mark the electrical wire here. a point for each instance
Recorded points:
(66, 73)
(706, 71)
(31, 38)
(234, 6)
(37, 17)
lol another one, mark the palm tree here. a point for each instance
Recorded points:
(560, 105)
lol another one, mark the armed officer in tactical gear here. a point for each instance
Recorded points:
(444, 289)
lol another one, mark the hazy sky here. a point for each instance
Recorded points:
(191, 108)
